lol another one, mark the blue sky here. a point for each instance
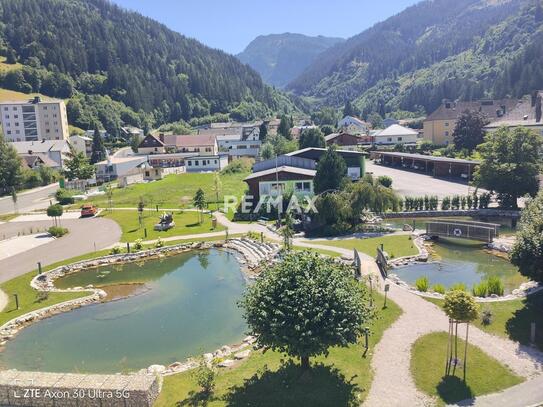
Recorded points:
(231, 24)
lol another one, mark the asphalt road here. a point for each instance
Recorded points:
(27, 201)
(410, 183)
(84, 234)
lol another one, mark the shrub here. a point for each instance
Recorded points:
(138, 244)
(57, 231)
(495, 286)
(422, 284)
(458, 287)
(42, 296)
(481, 289)
(385, 181)
(439, 288)
(65, 197)
(446, 203)
(159, 243)
(115, 250)
(204, 376)
(486, 317)
(238, 166)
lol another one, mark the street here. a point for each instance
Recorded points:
(37, 198)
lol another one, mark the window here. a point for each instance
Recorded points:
(9, 131)
(446, 134)
(47, 131)
(400, 138)
(446, 124)
(215, 161)
(303, 186)
(5, 109)
(16, 124)
(196, 163)
(190, 163)
(389, 139)
(15, 116)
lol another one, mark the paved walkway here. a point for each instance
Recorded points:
(393, 384)
(37, 198)
(19, 244)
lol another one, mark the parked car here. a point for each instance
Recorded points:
(88, 210)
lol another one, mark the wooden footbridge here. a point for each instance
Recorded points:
(461, 229)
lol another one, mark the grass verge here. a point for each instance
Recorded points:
(267, 379)
(484, 374)
(395, 245)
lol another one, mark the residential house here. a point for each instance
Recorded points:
(206, 163)
(527, 113)
(396, 134)
(103, 133)
(199, 144)
(129, 132)
(56, 150)
(439, 126)
(35, 161)
(81, 144)
(295, 172)
(115, 167)
(353, 125)
(348, 141)
(151, 145)
(34, 120)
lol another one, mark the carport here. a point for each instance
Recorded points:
(437, 166)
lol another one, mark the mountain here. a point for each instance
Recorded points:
(433, 50)
(279, 58)
(104, 57)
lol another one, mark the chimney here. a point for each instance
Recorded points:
(161, 137)
(36, 100)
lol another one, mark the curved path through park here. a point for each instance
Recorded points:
(85, 236)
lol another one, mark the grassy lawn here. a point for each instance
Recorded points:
(28, 297)
(484, 374)
(268, 379)
(395, 245)
(8, 217)
(512, 319)
(174, 191)
(330, 253)
(186, 223)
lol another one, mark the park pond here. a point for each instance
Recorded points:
(188, 306)
(461, 261)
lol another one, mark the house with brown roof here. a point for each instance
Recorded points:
(151, 145)
(527, 113)
(201, 144)
(346, 140)
(439, 125)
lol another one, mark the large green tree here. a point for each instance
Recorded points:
(77, 166)
(511, 162)
(527, 251)
(98, 148)
(10, 167)
(306, 304)
(331, 171)
(285, 125)
(312, 137)
(468, 132)
(348, 109)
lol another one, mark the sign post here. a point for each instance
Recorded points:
(387, 288)
(16, 301)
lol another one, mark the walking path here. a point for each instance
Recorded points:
(393, 384)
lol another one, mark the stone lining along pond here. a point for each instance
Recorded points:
(461, 261)
(179, 306)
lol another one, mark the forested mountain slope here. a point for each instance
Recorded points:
(280, 58)
(433, 50)
(92, 47)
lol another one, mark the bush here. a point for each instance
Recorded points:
(458, 287)
(486, 317)
(115, 250)
(238, 166)
(422, 284)
(446, 204)
(65, 197)
(495, 286)
(57, 231)
(385, 181)
(42, 296)
(481, 289)
(439, 288)
(159, 243)
(138, 244)
(204, 376)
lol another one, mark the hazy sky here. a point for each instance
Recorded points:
(231, 24)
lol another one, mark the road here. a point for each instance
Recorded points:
(37, 198)
(409, 183)
(84, 234)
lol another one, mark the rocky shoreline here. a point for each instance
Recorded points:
(250, 257)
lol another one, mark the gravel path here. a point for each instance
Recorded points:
(393, 384)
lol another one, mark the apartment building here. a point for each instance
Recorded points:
(34, 120)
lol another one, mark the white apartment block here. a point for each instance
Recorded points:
(34, 120)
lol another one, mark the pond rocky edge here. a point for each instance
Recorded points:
(250, 255)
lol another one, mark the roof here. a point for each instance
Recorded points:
(81, 137)
(119, 160)
(523, 114)
(311, 152)
(492, 109)
(229, 137)
(30, 160)
(42, 146)
(397, 130)
(284, 168)
(150, 141)
(427, 157)
(355, 120)
(190, 140)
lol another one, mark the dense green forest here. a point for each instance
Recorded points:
(438, 49)
(107, 58)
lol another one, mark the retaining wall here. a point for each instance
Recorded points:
(77, 390)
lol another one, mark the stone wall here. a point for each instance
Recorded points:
(74, 390)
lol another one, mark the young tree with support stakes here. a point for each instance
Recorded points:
(55, 211)
(460, 307)
(287, 231)
(199, 202)
(306, 304)
(217, 186)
